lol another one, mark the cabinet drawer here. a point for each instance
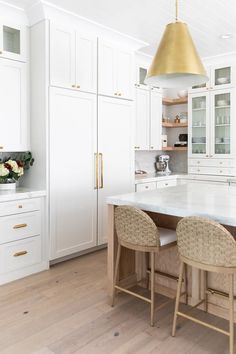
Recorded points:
(211, 171)
(167, 183)
(20, 254)
(19, 206)
(211, 162)
(16, 227)
(146, 186)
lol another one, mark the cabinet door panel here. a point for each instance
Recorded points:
(106, 69)
(13, 41)
(13, 108)
(72, 194)
(86, 63)
(124, 74)
(155, 121)
(142, 120)
(62, 57)
(115, 142)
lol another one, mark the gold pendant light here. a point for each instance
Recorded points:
(176, 63)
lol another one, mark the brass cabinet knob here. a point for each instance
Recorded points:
(78, 86)
(151, 147)
(207, 155)
(115, 93)
(119, 94)
(198, 162)
(73, 85)
(0, 51)
(1, 147)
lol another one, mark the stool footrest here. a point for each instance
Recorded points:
(202, 323)
(133, 293)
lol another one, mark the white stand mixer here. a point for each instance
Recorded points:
(162, 165)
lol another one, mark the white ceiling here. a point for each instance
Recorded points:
(146, 19)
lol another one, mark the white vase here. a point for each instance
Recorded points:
(7, 186)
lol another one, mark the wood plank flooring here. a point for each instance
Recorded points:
(65, 310)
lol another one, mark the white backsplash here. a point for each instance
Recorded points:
(145, 160)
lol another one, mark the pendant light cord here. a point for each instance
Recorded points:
(176, 10)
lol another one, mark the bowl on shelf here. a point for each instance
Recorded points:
(182, 93)
(222, 103)
(222, 80)
(199, 140)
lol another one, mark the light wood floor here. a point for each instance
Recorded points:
(64, 310)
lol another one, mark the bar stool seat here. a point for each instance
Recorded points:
(137, 231)
(206, 245)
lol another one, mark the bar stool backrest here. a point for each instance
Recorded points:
(205, 241)
(136, 227)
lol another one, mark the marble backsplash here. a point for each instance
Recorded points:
(145, 160)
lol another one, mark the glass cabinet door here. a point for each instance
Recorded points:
(198, 134)
(12, 42)
(202, 87)
(222, 77)
(222, 118)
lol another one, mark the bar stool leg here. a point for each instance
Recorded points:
(116, 274)
(186, 283)
(152, 287)
(178, 297)
(231, 314)
(205, 274)
(147, 266)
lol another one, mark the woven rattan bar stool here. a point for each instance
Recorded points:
(137, 231)
(206, 245)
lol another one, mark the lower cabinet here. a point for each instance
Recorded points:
(210, 166)
(23, 245)
(140, 187)
(91, 157)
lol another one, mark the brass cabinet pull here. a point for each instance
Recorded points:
(19, 226)
(96, 170)
(137, 147)
(20, 253)
(151, 147)
(115, 93)
(119, 94)
(78, 86)
(0, 51)
(20, 206)
(73, 86)
(101, 170)
(1, 147)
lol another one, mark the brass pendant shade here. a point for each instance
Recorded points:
(176, 63)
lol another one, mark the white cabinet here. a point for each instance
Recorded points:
(148, 186)
(155, 120)
(211, 129)
(142, 119)
(115, 71)
(24, 243)
(115, 143)
(73, 59)
(73, 210)
(13, 41)
(148, 120)
(14, 106)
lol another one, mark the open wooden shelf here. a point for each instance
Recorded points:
(174, 125)
(171, 101)
(173, 148)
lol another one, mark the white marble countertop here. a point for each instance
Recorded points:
(20, 193)
(217, 202)
(154, 177)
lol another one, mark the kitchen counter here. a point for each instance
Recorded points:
(216, 202)
(154, 177)
(20, 193)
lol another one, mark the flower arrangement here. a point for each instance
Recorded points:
(12, 168)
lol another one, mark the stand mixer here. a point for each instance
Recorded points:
(162, 165)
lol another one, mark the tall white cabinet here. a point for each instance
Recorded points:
(73, 144)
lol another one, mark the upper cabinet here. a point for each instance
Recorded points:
(148, 119)
(220, 77)
(13, 42)
(13, 108)
(73, 59)
(115, 71)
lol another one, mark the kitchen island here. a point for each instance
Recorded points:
(166, 207)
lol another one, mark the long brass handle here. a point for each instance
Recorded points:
(96, 170)
(21, 253)
(19, 226)
(101, 170)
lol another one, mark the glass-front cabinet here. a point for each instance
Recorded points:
(199, 125)
(221, 102)
(13, 42)
(211, 124)
(222, 76)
